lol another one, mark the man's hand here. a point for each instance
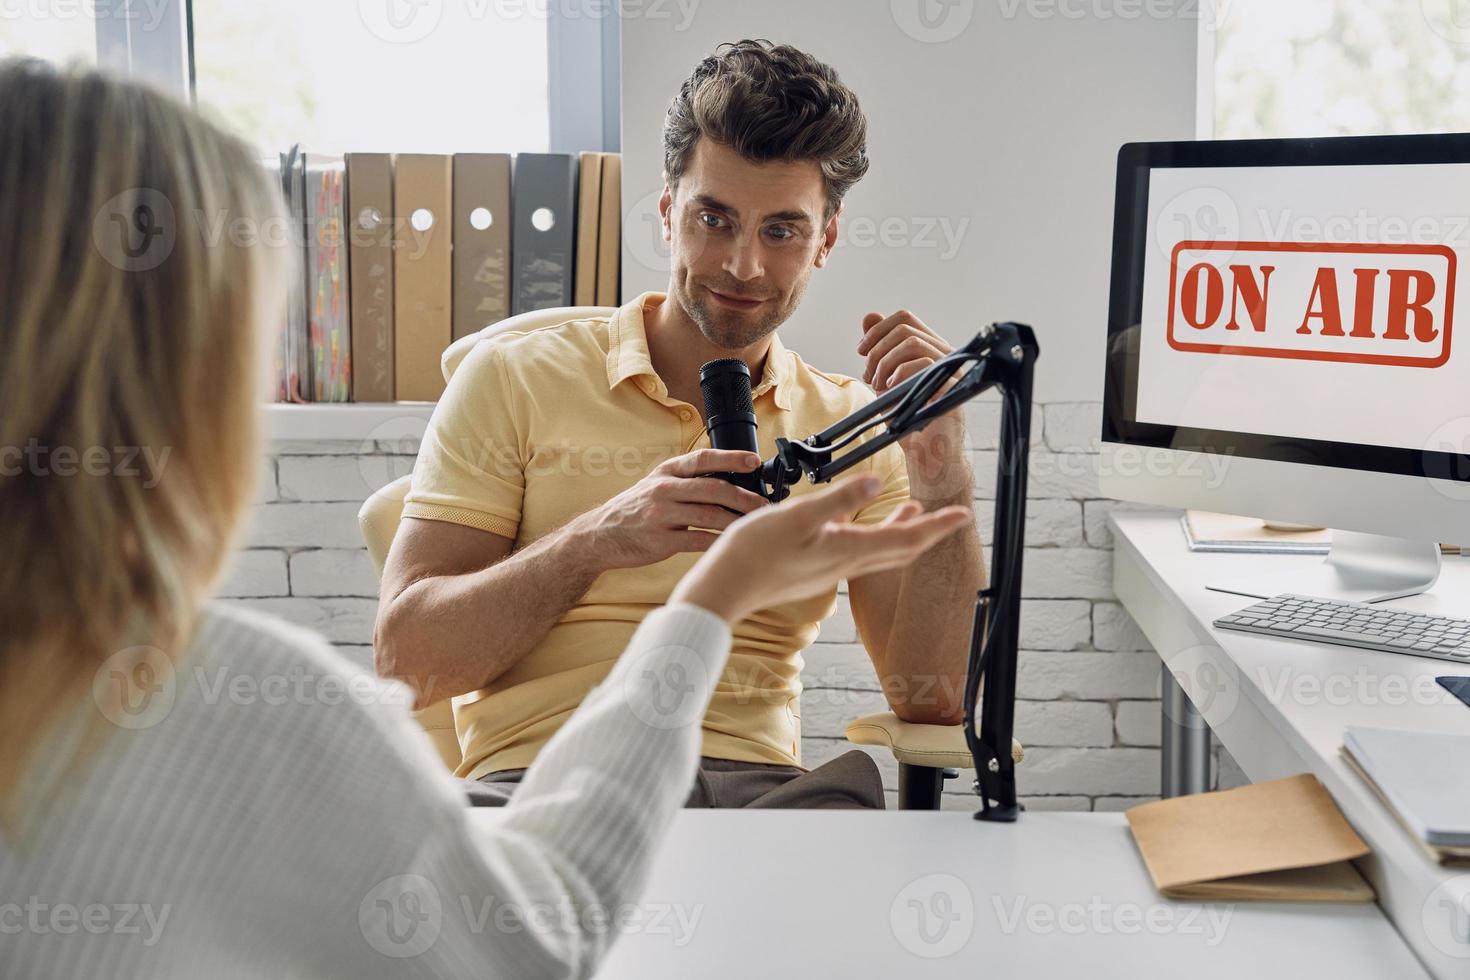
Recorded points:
(897, 347)
(804, 546)
(656, 517)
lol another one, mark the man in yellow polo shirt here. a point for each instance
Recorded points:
(564, 485)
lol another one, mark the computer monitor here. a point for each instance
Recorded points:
(1284, 342)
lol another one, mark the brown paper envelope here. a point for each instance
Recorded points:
(1336, 882)
(1266, 827)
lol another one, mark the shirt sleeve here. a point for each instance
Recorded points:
(471, 467)
(888, 465)
(892, 470)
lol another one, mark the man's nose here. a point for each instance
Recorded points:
(744, 261)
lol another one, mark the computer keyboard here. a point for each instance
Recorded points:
(1355, 624)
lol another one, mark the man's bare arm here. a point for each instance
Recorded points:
(458, 608)
(915, 621)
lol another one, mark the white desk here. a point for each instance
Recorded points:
(1280, 707)
(796, 894)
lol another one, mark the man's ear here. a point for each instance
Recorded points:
(665, 209)
(829, 239)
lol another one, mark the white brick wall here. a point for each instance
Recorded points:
(1087, 689)
(303, 558)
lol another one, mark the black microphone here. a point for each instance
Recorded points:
(730, 415)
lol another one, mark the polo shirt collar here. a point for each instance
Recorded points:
(627, 352)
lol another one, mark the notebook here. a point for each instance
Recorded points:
(543, 236)
(422, 287)
(610, 231)
(1423, 777)
(1283, 840)
(1206, 531)
(294, 383)
(370, 280)
(328, 314)
(1230, 533)
(589, 212)
(481, 250)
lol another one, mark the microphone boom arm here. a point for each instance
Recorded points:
(1002, 356)
(995, 353)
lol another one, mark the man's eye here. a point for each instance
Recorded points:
(710, 220)
(781, 233)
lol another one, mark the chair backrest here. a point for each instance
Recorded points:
(380, 514)
(534, 320)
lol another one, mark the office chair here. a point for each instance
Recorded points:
(926, 754)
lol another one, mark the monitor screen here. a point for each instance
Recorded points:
(1295, 300)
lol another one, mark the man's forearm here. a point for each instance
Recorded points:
(451, 634)
(924, 659)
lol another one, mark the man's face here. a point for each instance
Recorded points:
(745, 237)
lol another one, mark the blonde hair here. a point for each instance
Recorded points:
(132, 280)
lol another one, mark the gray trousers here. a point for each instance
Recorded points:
(848, 782)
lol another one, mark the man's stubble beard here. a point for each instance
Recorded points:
(729, 330)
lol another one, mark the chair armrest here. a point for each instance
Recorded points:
(936, 746)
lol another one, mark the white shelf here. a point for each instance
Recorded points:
(367, 422)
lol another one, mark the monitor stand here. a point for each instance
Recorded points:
(1358, 567)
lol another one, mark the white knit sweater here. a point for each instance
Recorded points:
(286, 817)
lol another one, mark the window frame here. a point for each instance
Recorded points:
(583, 57)
(163, 57)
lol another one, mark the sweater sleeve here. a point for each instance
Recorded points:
(547, 883)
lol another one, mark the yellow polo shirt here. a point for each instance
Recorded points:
(540, 426)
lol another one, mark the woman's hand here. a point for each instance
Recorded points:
(801, 548)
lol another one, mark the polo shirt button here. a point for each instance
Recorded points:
(685, 414)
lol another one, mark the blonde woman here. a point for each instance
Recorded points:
(156, 820)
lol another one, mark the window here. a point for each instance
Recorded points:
(57, 32)
(375, 75)
(1328, 68)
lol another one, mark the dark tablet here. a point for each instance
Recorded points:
(1458, 686)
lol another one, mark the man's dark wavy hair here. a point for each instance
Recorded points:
(770, 102)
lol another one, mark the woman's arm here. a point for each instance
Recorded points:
(572, 851)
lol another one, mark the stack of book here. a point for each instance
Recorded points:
(1232, 534)
(1423, 778)
(402, 254)
(1205, 531)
